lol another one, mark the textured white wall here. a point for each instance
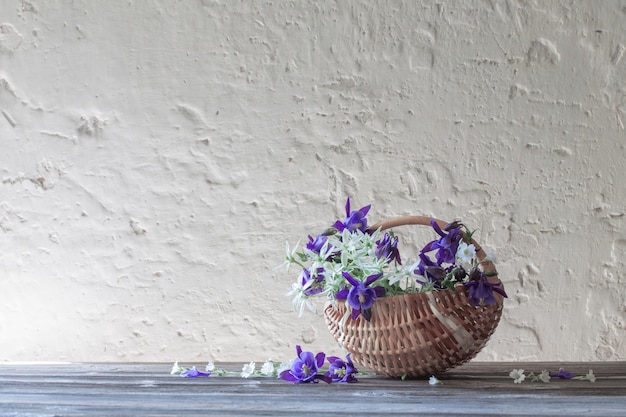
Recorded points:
(156, 155)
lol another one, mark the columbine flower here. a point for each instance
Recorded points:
(434, 273)
(480, 289)
(563, 374)
(316, 245)
(434, 381)
(312, 284)
(247, 370)
(268, 368)
(387, 248)
(361, 297)
(447, 245)
(355, 220)
(517, 375)
(466, 252)
(194, 373)
(305, 368)
(340, 370)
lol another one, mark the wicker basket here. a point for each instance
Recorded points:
(416, 335)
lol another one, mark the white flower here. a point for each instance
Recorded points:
(300, 300)
(289, 256)
(210, 366)
(517, 375)
(544, 376)
(434, 381)
(247, 370)
(465, 252)
(284, 366)
(590, 376)
(268, 368)
(176, 369)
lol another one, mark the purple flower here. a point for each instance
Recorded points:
(447, 245)
(305, 368)
(387, 248)
(315, 245)
(434, 273)
(194, 373)
(361, 297)
(563, 374)
(355, 220)
(313, 285)
(340, 370)
(481, 290)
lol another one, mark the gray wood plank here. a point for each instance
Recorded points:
(474, 389)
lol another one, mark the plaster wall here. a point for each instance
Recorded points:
(156, 156)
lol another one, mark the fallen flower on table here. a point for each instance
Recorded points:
(247, 370)
(517, 375)
(194, 373)
(588, 377)
(434, 381)
(305, 368)
(563, 374)
(545, 376)
(340, 370)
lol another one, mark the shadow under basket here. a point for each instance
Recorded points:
(415, 335)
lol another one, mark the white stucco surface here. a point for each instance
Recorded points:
(157, 155)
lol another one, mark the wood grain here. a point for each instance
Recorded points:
(474, 389)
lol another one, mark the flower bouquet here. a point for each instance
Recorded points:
(400, 319)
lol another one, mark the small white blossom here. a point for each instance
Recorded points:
(590, 376)
(210, 366)
(247, 370)
(544, 376)
(284, 366)
(434, 381)
(268, 368)
(466, 253)
(176, 369)
(289, 256)
(517, 375)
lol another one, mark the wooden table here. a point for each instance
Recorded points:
(475, 389)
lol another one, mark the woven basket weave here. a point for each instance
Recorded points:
(420, 334)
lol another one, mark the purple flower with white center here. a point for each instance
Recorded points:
(387, 248)
(355, 220)
(447, 245)
(563, 374)
(361, 297)
(305, 368)
(481, 290)
(194, 373)
(340, 370)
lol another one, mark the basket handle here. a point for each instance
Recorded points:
(485, 264)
